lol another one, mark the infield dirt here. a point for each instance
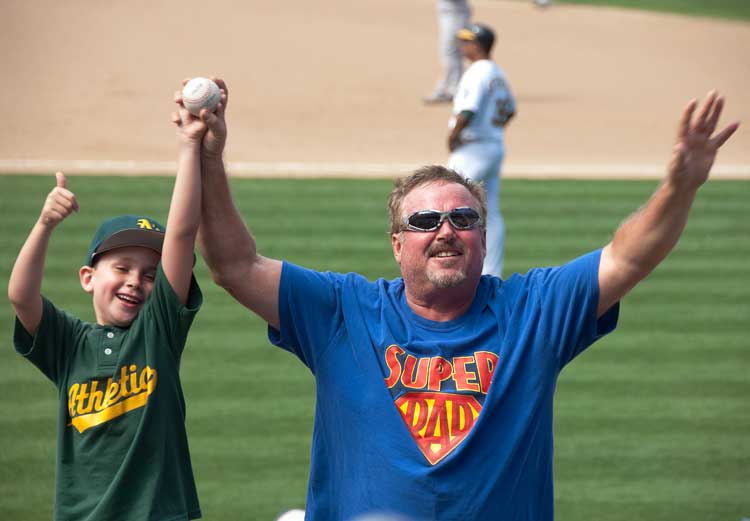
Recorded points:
(338, 81)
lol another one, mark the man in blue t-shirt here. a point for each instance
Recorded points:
(435, 390)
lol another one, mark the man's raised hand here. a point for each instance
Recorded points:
(695, 150)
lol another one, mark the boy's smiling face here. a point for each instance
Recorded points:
(119, 283)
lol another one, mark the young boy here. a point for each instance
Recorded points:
(122, 450)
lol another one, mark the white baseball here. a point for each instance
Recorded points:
(292, 515)
(200, 93)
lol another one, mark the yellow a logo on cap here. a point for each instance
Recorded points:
(145, 223)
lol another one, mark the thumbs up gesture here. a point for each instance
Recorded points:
(59, 204)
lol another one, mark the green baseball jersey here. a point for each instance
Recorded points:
(122, 448)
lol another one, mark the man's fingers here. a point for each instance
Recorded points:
(219, 110)
(217, 113)
(725, 134)
(223, 88)
(702, 116)
(687, 114)
(211, 119)
(220, 82)
(60, 179)
(713, 117)
(678, 157)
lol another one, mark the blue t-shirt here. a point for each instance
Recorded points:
(436, 420)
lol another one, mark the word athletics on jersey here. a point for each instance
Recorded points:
(90, 404)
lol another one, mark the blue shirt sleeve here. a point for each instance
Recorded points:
(569, 299)
(310, 312)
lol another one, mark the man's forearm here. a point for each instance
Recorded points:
(647, 237)
(642, 242)
(223, 238)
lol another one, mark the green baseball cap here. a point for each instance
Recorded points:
(126, 230)
(478, 33)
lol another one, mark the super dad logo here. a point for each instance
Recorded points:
(443, 399)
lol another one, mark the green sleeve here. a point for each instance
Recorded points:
(166, 312)
(55, 339)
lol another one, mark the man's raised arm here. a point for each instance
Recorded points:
(224, 241)
(647, 236)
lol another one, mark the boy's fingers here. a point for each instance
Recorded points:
(58, 205)
(60, 178)
(185, 116)
(72, 203)
(64, 196)
(56, 212)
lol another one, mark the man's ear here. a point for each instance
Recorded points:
(86, 276)
(397, 244)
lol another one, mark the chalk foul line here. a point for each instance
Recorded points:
(352, 170)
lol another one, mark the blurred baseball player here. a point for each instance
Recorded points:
(483, 105)
(453, 15)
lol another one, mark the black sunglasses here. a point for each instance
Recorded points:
(430, 220)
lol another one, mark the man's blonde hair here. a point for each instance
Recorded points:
(426, 175)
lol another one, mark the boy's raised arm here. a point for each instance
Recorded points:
(184, 210)
(25, 285)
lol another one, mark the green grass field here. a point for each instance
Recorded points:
(732, 9)
(651, 423)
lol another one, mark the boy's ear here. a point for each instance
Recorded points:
(86, 275)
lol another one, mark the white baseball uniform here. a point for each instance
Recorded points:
(484, 91)
(453, 15)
